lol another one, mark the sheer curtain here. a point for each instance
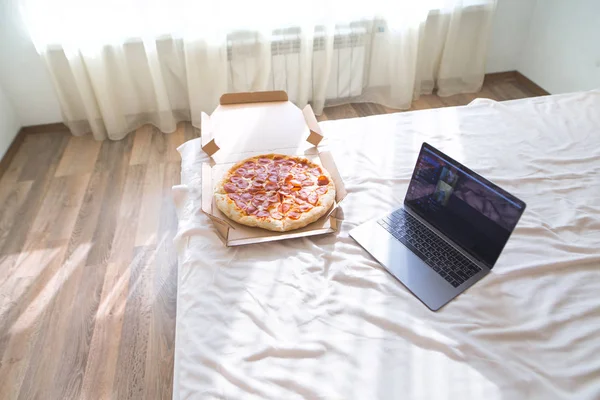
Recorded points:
(117, 65)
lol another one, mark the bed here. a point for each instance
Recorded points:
(318, 318)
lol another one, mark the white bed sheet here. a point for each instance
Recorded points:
(318, 318)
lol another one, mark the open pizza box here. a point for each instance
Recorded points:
(250, 124)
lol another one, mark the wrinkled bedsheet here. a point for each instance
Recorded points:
(318, 318)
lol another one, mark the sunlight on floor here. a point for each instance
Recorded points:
(46, 257)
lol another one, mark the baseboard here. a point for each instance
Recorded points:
(45, 128)
(530, 85)
(499, 76)
(11, 151)
(20, 138)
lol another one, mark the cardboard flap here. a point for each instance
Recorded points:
(331, 211)
(209, 146)
(207, 197)
(329, 164)
(335, 224)
(316, 135)
(253, 97)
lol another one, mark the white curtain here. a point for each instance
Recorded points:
(118, 64)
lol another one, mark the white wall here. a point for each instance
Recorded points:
(562, 52)
(22, 73)
(9, 123)
(509, 30)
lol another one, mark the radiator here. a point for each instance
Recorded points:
(346, 71)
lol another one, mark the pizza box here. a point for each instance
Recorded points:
(250, 124)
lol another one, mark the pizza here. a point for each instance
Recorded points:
(275, 192)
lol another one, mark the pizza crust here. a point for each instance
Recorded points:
(326, 201)
(227, 207)
(219, 186)
(230, 209)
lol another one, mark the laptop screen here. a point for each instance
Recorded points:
(474, 213)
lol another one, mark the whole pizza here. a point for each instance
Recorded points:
(275, 192)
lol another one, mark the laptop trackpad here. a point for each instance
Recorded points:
(407, 267)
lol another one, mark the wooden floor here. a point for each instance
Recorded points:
(87, 268)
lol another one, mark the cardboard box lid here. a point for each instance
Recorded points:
(249, 124)
(241, 116)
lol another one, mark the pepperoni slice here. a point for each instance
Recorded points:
(229, 187)
(303, 194)
(282, 179)
(285, 191)
(262, 177)
(293, 215)
(307, 182)
(263, 213)
(323, 180)
(289, 163)
(246, 196)
(249, 174)
(313, 198)
(284, 207)
(271, 186)
(274, 198)
(305, 207)
(257, 202)
(249, 164)
(240, 204)
(242, 184)
(273, 178)
(260, 196)
(257, 185)
(316, 171)
(236, 179)
(321, 190)
(299, 201)
(283, 170)
(264, 161)
(240, 171)
(260, 169)
(235, 196)
(251, 209)
(275, 214)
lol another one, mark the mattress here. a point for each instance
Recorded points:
(318, 318)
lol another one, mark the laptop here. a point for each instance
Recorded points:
(448, 234)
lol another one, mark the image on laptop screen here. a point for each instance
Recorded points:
(465, 207)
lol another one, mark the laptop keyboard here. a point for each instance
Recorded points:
(444, 259)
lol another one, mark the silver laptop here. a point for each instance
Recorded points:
(449, 233)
